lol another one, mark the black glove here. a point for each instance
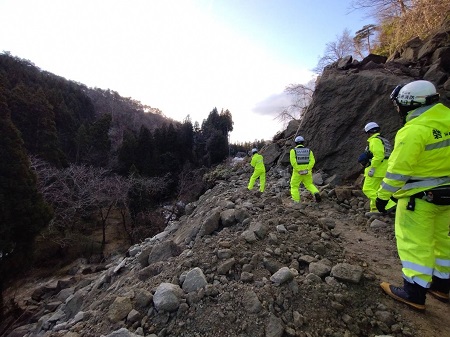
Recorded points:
(381, 205)
(394, 199)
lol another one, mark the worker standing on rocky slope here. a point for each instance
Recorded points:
(377, 154)
(418, 175)
(259, 171)
(302, 161)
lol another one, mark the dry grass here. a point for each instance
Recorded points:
(423, 18)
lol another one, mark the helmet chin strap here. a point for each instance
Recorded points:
(403, 110)
(432, 99)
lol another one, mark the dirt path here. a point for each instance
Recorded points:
(379, 252)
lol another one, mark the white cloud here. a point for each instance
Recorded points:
(273, 104)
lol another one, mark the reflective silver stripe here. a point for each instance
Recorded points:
(417, 112)
(418, 268)
(443, 263)
(422, 178)
(389, 188)
(427, 183)
(399, 177)
(441, 274)
(418, 280)
(438, 145)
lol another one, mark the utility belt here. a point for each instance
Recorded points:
(438, 196)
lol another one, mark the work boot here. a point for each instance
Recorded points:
(317, 197)
(391, 210)
(372, 213)
(256, 193)
(411, 294)
(440, 288)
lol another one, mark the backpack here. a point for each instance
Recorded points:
(366, 156)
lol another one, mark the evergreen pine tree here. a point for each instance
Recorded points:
(34, 117)
(128, 153)
(23, 213)
(82, 143)
(99, 142)
(217, 147)
(145, 152)
(186, 140)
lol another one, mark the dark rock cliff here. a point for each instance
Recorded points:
(350, 94)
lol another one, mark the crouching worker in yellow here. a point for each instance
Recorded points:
(418, 175)
(257, 163)
(302, 162)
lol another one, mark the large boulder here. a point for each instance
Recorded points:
(343, 103)
(346, 98)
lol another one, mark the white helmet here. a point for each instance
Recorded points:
(370, 126)
(254, 150)
(299, 139)
(415, 94)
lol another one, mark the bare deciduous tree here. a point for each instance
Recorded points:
(190, 185)
(144, 196)
(301, 98)
(335, 50)
(383, 9)
(76, 193)
(109, 192)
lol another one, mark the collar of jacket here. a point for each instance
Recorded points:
(374, 135)
(419, 111)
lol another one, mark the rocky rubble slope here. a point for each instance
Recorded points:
(241, 264)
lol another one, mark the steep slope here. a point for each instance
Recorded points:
(240, 265)
(350, 94)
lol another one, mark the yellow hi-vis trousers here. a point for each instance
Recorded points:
(261, 174)
(423, 241)
(297, 179)
(370, 188)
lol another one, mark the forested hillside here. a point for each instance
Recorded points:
(65, 122)
(72, 156)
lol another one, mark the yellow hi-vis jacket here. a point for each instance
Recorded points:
(420, 159)
(378, 161)
(258, 162)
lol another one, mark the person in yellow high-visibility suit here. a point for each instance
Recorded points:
(259, 171)
(378, 150)
(302, 162)
(418, 175)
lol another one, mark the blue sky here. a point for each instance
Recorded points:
(184, 57)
